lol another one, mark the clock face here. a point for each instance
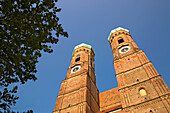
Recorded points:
(75, 69)
(124, 49)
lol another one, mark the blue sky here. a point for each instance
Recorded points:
(90, 21)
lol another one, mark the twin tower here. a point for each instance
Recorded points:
(140, 88)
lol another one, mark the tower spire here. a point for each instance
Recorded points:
(116, 29)
(141, 88)
(78, 92)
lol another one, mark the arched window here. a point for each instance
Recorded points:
(77, 59)
(120, 40)
(142, 92)
(91, 61)
(151, 111)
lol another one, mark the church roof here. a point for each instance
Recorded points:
(110, 99)
(84, 45)
(117, 29)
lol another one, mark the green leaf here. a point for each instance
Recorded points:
(26, 29)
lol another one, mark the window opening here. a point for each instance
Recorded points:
(120, 41)
(91, 61)
(142, 92)
(77, 59)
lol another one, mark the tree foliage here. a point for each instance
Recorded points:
(27, 27)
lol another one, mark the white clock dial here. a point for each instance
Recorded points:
(124, 49)
(75, 69)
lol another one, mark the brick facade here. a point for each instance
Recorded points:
(140, 88)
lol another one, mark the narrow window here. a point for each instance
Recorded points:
(142, 92)
(91, 61)
(77, 59)
(120, 41)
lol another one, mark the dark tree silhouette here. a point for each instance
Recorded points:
(27, 27)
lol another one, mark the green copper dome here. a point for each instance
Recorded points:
(117, 29)
(84, 45)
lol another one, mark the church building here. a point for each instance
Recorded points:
(140, 88)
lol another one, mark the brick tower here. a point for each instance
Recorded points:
(78, 92)
(140, 87)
